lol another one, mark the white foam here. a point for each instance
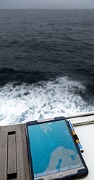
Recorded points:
(24, 103)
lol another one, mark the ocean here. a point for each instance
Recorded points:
(46, 64)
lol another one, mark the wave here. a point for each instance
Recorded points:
(45, 99)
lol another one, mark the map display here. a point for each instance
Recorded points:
(52, 148)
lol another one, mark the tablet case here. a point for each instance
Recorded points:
(13, 152)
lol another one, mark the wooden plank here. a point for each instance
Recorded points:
(3, 154)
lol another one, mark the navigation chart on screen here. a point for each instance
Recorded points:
(52, 148)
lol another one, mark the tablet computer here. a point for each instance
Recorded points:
(53, 153)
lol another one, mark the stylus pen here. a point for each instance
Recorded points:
(75, 137)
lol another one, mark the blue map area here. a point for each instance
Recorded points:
(59, 164)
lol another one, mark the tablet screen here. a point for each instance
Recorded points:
(52, 148)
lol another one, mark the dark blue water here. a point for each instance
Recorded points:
(46, 63)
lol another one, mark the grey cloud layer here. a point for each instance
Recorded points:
(47, 4)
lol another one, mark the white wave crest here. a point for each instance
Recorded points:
(60, 97)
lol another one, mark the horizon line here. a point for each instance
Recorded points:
(46, 8)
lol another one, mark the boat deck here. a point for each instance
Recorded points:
(84, 127)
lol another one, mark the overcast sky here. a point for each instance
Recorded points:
(74, 4)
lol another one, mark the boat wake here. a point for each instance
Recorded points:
(57, 97)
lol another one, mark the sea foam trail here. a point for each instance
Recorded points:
(59, 97)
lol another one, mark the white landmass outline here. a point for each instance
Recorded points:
(65, 155)
(45, 128)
